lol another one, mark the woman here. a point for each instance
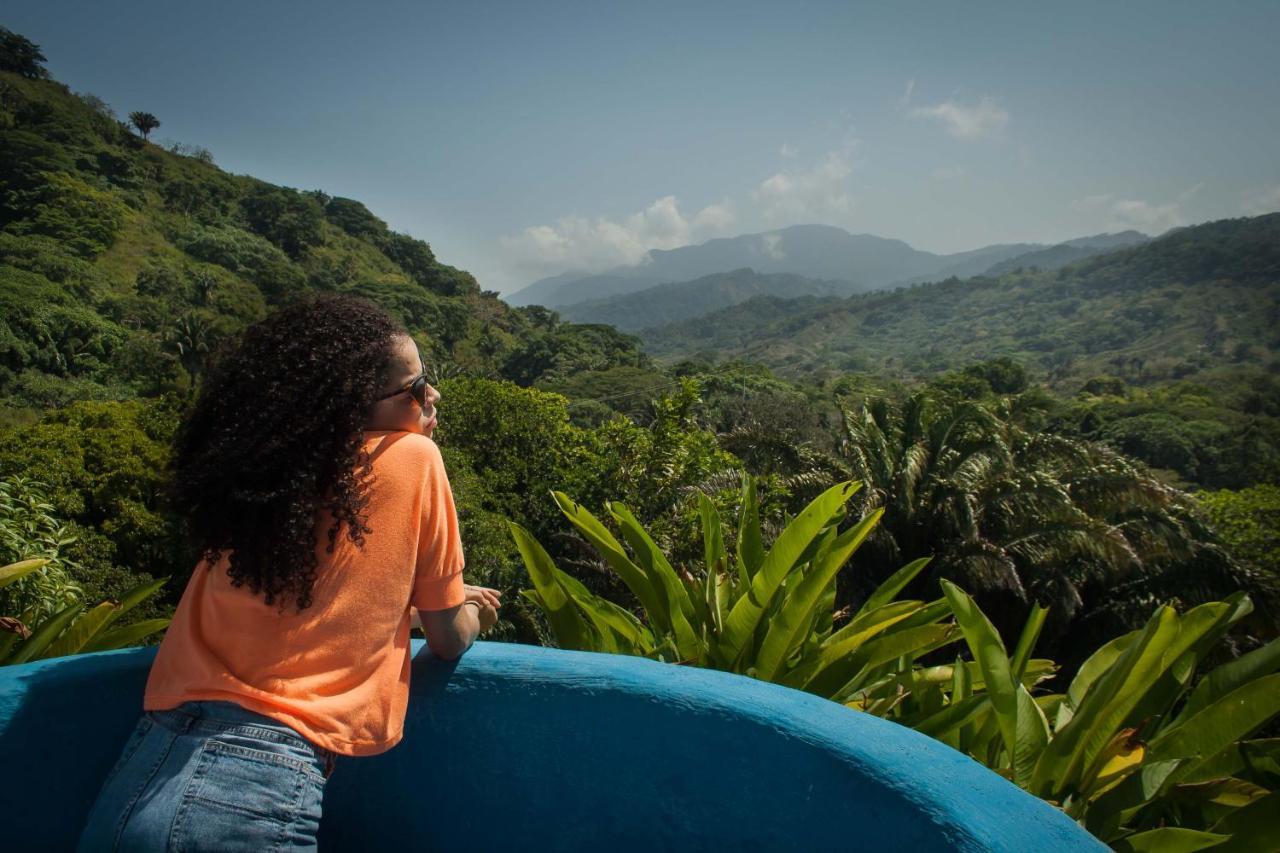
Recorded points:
(328, 530)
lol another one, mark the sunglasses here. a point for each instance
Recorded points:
(416, 386)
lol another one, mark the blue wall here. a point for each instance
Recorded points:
(520, 747)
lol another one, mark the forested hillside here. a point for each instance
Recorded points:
(123, 264)
(668, 303)
(932, 504)
(1200, 297)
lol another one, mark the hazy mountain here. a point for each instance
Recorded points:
(862, 261)
(1069, 252)
(1190, 300)
(667, 303)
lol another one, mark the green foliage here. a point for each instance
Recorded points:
(245, 254)
(289, 219)
(105, 465)
(71, 630)
(566, 349)
(1219, 433)
(144, 122)
(83, 218)
(1248, 521)
(765, 613)
(519, 442)
(1176, 305)
(1137, 742)
(21, 56)
(30, 530)
(1021, 516)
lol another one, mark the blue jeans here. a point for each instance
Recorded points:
(210, 776)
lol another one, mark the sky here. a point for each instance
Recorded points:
(527, 139)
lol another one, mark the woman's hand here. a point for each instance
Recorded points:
(488, 615)
(484, 595)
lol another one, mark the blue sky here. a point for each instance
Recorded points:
(523, 139)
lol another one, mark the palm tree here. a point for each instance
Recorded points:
(192, 338)
(1017, 516)
(144, 122)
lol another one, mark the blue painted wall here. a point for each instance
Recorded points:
(520, 747)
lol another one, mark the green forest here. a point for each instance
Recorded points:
(1034, 516)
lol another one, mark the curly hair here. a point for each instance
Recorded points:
(275, 436)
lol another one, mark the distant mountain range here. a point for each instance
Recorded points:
(851, 263)
(630, 303)
(1192, 299)
(670, 303)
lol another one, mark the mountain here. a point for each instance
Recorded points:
(862, 261)
(1067, 253)
(123, 264)
(667, 303)
(1193, 299)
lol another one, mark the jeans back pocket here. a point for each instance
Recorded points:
(243, 798)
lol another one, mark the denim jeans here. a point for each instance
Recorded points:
(210, 776)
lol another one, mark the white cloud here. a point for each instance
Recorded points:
(1261, 201)
(1121, 214)
(815, 194)
(905, 100)
(799, 193)
(771, 246)
(582, 243)
(985, 119)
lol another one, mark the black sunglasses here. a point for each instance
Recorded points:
(416, 386)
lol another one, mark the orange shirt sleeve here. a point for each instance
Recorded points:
(437, 583)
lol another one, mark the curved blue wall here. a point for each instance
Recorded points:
(521, 747)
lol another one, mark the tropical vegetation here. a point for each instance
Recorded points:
(870, 499)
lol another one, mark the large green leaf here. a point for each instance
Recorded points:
(1250, 755)
(566, 621)
(1110, 808)
(662, 577)
(953, 717)
(716, 559)
(14, 571)
(787, 629)
(118, 638)
(82, 630)
(649, 596)
(848, 675)
(893, 585)
(44, 634)
(1031, 736)
(629, 635)
(778, 562)
(131, 599)
(1075, 746)
(1253, 828)
(988, 650)
(750, 546)
(849, 640)
(1090, 671)
(1170, 839)
(1027, 640)
(1230, 676)
(1213, 729)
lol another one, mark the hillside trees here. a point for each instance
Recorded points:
(1019, 516)
(144, 122)
(21, 56)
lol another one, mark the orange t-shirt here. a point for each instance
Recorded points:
(338, 672)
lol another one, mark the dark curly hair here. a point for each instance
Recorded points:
(275, 436)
